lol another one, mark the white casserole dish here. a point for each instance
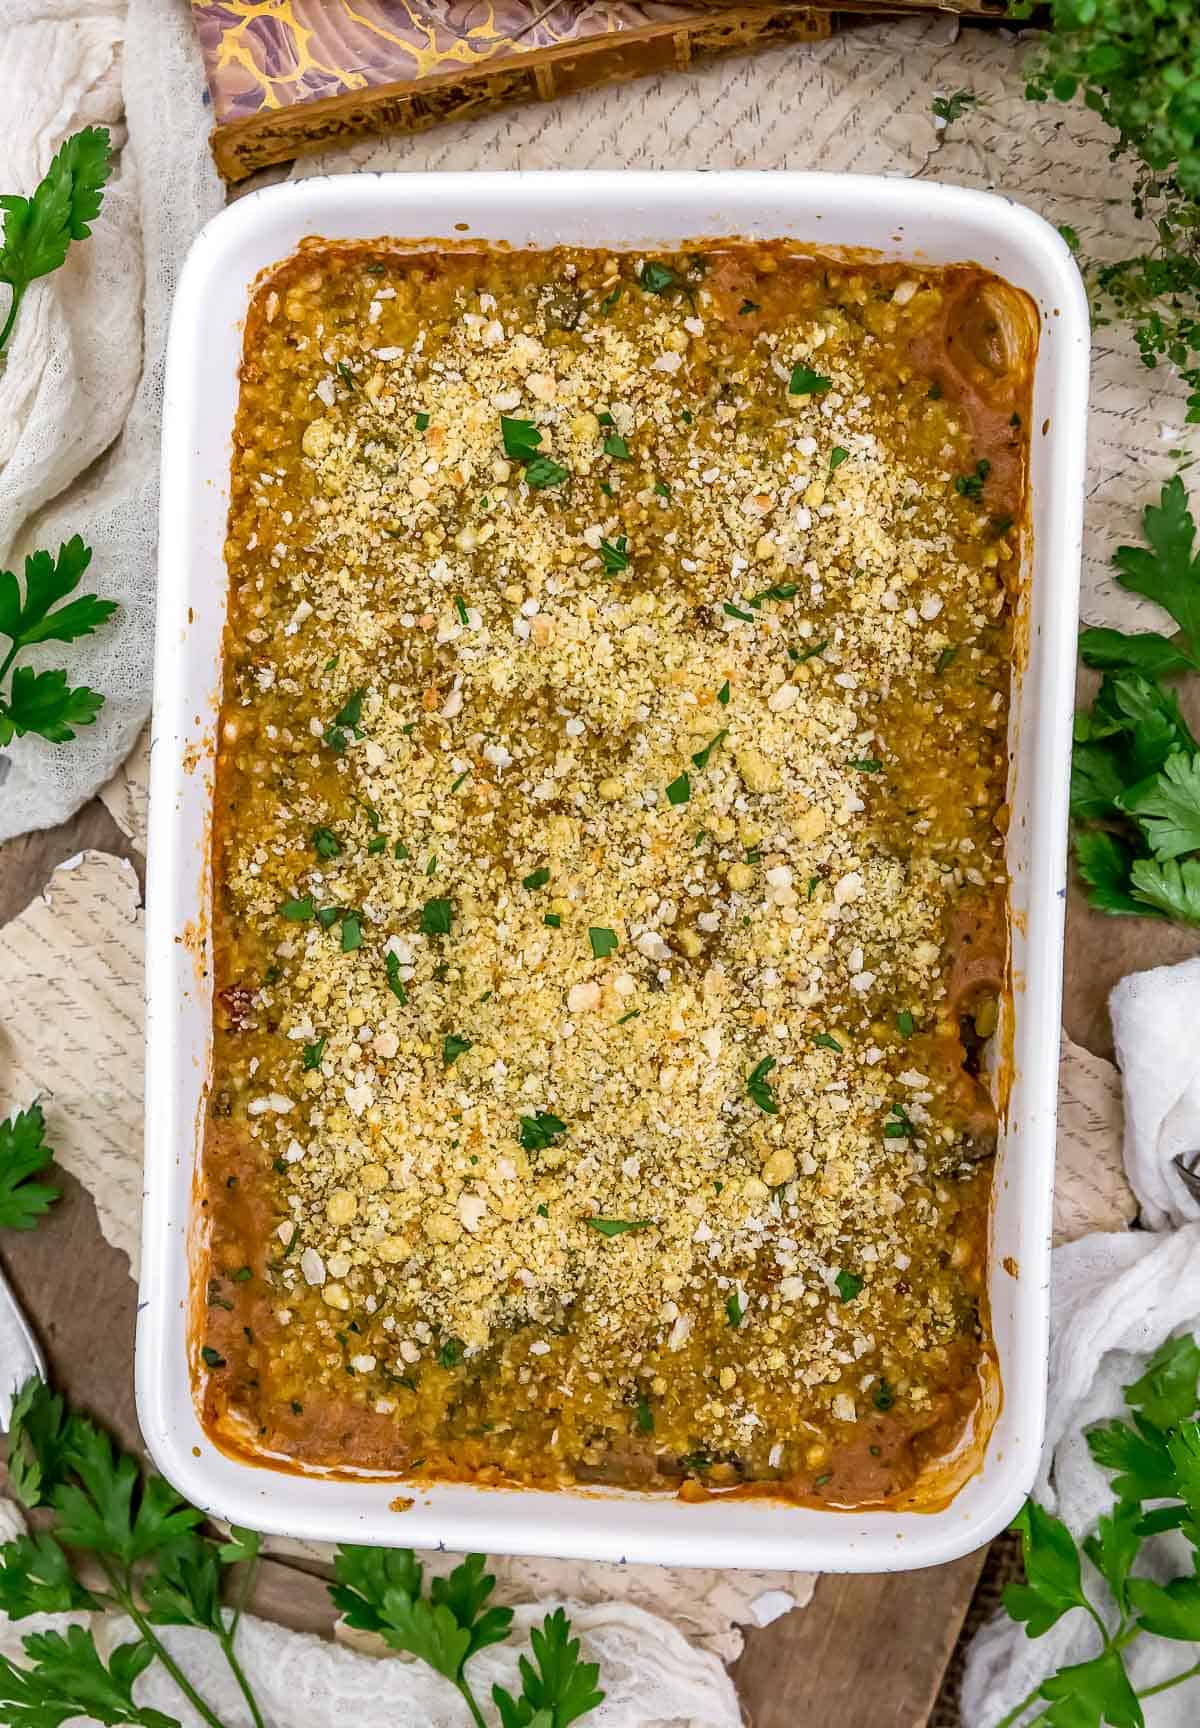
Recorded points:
(927, 222)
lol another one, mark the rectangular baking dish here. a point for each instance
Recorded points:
(926, 222)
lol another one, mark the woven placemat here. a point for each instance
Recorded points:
(1003, 1565)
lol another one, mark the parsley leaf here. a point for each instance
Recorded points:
(380, 1590)
(1168, 809)
(559, 1690)
(1089, 1693)
(905, 1024)
(780, 591)
(848, 1285)
(351, 932)
(1145, 651)
(645, 1415)
(701, 757)
(805, 382)
(656, 278)
(36, 1578)
(1166, 1394)
(758, 1087)
(39, 230)
(65, 1677)
(24, 1154)
(947, 109)
(38, 1437)
(540, 1130)
(680, 790)
(1168, 573)
(326, 843)
(837, 456)
(1105, 864)
(615, 554)
(616, 447)
(1053, 1580)
(732, 611)
(312, 1055)
(618, 1226)
(971, 485)
(536, 878)
(1173, 888)
(436, 917)
(826, 1041)
(453, 1048)
(521, 441)
(723, 696)
(734, 1312)
(1114, 1546)
(1139, 1456)
(604, 942)
(43, 702)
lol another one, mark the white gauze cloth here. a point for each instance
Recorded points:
(1115, 1300)
(81, 380)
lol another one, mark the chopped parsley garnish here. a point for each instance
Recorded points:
(734, 1311)
(400, 851)
(327, 917)
(615, 554)
(377, 845)
(618, 1226)
(351, 932)
(867, 764)
(802, 654)
(543, 1211)
(827, 1041)
(347, 377)
(431, 864)
(435, 918)
(947, 657)
(632, 1015)
(899, 1126)
(781, 591)
(347, 719)
(212, 1358)
(610, 300)
(521, 440)
(806, 382)
(680, 790)
(553, 920)
(701, 757)
(934, 392)
(460, 606)
(313, 1054)
(543, 473)
(451, 1353)
(849, 1285)
(837, 456)
(422, 421)
(298, 911)
(645, 1416)
(814, 882)
(394, 982)
(536, 878)
(662, 489)
(686, 415)
(905, 1024)
(606, 419)
(243, 1275)
(971, 485)
(657, 278)
(452, 1048)
(461, 780)
(732, 611)
(883, 1397)
(758, 1087)
(541, 1130)
(603, 941)
(747, 306)
(723, 694)
(616, 447)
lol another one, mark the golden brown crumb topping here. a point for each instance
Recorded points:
(609, 848)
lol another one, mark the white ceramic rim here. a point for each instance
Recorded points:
(927, 222)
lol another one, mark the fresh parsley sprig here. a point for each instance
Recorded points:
(1135, 770)
(38, 230)
(1155, 1456)
(43, 702)
(383, 1591)
(158, 1568)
